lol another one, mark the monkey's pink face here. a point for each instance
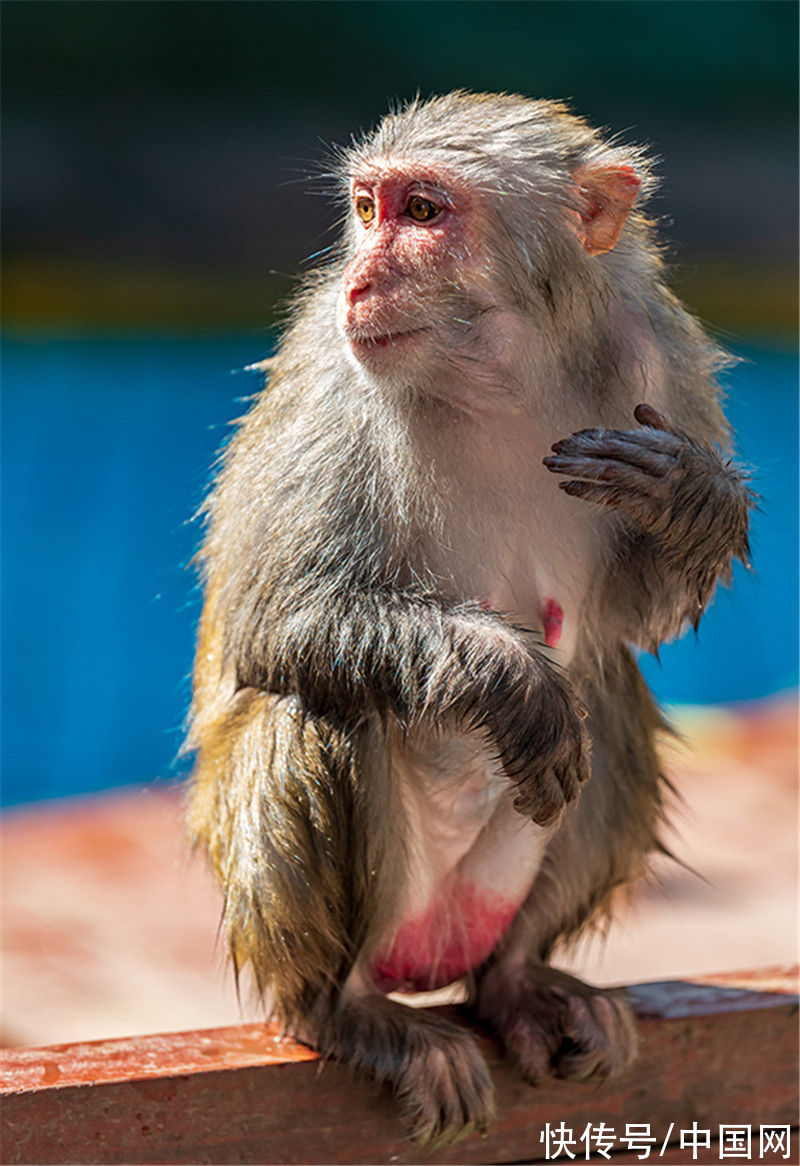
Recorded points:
(402, 285)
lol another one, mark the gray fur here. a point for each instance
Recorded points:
(327, 618)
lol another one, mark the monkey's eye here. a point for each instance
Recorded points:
(365, 209)
(422, 210)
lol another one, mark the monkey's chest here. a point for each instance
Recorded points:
(471, 861)
(530, 557)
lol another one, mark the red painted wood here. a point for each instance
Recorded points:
(140, 1058)
(715, 1053)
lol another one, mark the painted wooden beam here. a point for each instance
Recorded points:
(719, 1051)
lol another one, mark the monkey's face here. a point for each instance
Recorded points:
(416, 283)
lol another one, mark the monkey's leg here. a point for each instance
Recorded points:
(304, 831)
(276, 803)
(551, 1023)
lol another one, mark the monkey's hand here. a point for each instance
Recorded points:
(541, 740)
(692, 503)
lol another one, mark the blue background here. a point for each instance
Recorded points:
(107, 452)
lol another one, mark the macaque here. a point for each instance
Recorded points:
(489, 464)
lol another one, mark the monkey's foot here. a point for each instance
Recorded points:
(436, 1068)
(445, 1087)
(554, 1025)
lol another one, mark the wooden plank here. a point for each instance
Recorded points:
(715, 1053)
(716, 1152)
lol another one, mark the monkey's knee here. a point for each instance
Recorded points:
(552, 1024)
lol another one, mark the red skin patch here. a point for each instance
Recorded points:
(448, 940)
(553, 620)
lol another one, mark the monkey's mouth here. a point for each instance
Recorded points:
(361, 343)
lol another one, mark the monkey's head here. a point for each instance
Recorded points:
(471, 217)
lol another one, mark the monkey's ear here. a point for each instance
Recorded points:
(606, 195)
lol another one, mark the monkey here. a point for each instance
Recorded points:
(488, 467)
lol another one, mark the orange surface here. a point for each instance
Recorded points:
(110, 926)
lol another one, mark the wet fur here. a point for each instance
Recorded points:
(324, 627)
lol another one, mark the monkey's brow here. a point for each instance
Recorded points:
(410, 174)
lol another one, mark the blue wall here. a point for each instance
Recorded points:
(107, 446)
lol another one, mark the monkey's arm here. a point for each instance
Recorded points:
(345, 650)
(685, 513)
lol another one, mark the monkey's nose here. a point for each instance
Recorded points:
(357, 289)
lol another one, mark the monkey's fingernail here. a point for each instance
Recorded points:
(647, 415)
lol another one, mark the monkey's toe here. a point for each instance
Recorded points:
(447, 1091)
(553, 1025)
(599, 1038)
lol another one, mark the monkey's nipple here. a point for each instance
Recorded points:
(553, 620)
